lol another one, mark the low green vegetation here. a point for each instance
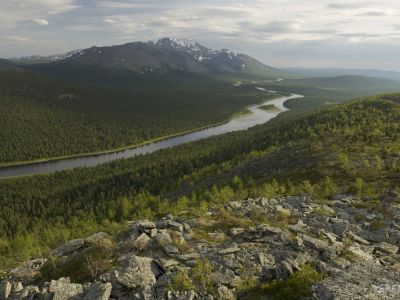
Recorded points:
(199, 278)
(84, 266)
(269, 107)
(353, 147)
(297, 286)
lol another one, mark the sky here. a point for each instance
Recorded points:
(280, 33)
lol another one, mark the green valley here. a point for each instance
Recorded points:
(319, 153)
(44, 118)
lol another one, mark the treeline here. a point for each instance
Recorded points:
(351, 147)
(44, 118)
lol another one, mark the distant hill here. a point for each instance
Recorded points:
(393, 75)
(40, 59)
(6, 65)
(164, 56)
(347, 81)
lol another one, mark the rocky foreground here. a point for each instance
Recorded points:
(227, 252)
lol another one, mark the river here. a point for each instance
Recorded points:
(241, 122)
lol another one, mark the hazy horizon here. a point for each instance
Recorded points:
(314, 34)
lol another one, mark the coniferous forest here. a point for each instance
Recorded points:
(348, 147)
(43, 118)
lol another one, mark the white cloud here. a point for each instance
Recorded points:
(16, 38)
(13, 13)
(42, 22)
(262, 20)
(241, 25)
(117, 4)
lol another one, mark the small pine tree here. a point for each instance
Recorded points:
(122, 210)
(181, 282)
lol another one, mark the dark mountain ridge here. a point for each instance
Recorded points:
(169, 54)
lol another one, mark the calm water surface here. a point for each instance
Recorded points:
(241, 122)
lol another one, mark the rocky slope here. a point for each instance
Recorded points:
(225, 253)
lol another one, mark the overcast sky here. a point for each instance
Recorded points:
(281, 33)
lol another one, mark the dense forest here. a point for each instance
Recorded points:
(348, 147)
(42, 118)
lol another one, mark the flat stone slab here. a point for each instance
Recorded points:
(386, 248)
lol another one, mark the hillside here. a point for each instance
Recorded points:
(6, 65)
(345, 82)
(341, 163)
(167, 55)
(331, 72)
(323, 91)
(43, 117)
(59, 118)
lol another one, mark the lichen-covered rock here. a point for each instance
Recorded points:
(163, 238)
(361, 281)
(98, 291)
(142, 242)
(314, 242)
(69, 247)
(25, 292)
(145, 224)
(138, 272)
(225, 293)
(5, 289)
(63, 289)
(386, 248)
(27, 271)
(97, 238)
(358, 254)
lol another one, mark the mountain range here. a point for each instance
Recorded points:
(162, 56)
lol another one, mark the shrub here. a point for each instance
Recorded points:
(297, 286)
(181, 282)
(201, 274)
(81, 266)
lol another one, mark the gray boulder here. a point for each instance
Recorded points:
(5, 289)
(139, 272)
(225, 293)
(69, 247)
(63, 289)
(97, 238)
(142, 242)
(386, 248)
(360, 281)
(27, 271)
(315, 243)
(98, 291)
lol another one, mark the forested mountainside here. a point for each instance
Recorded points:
(351, 148)
(43, 118)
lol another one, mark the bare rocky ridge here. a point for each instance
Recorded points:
(162, 259)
